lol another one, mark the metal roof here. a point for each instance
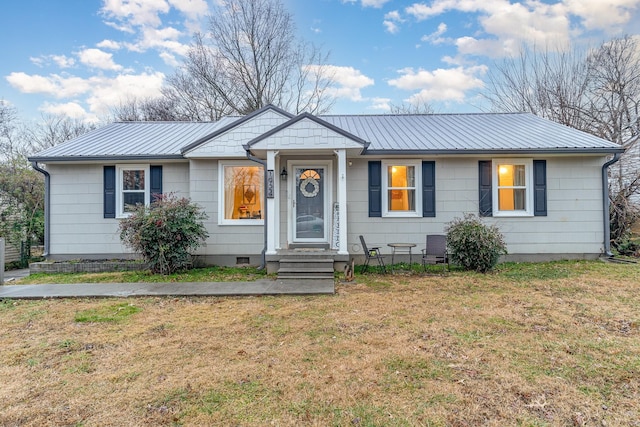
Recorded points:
(467, 133)
(133, 140)
(385, 134)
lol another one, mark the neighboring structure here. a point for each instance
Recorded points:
(273, 182)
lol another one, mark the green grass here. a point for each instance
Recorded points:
(112, 313)
(210, 274)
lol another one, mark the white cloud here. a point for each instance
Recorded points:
(69, 109)
(383, 104)
(61, 61)
(439, 85)
(169, 59)
(505, 26)
(107, 93)
(109, 44)
(391, 21)
(191, 8)
(100, 93)
(53, 85)
(604, 15)
(348, 81)
(390, 26)
(96, 58)
(374, 3)
(135, 12)
(436, 36)
(368, 3)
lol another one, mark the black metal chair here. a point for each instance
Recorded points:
(435, 251)
(371, 253)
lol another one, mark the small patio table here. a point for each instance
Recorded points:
(401, 247)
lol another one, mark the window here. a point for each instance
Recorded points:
(132, 188)
(401, 195)
(241, 190)
(512, 192)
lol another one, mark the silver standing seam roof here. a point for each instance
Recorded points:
(490, 133)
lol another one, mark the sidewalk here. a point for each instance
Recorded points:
(98, 290)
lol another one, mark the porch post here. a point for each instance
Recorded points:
(342, 202)
(273, 213)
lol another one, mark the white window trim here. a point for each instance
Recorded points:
(528, 176)
(119, 199)
(417, 164)
(221, 219)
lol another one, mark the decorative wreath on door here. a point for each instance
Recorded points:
(314, 183)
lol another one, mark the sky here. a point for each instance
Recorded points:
(80, 58)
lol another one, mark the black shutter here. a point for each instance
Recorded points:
(109, 185)
(155, 182)
(485, 190)
(375, 189)
(540, 187)
(429, 189)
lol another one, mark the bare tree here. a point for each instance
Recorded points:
(53, 130)
(422, 107)
(9, 136)
(148, 109)
(596, 91)
(250, 58)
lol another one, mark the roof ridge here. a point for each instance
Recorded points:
(427, 114)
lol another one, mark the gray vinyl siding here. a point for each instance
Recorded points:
(573, 224)
(77, 225)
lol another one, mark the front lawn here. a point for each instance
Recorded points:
(554, 344)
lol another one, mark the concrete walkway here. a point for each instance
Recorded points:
(84, 290)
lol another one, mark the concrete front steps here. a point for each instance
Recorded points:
(316, 273)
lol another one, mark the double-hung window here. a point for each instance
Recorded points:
(401, 182)
(512, 187)
(132, 188)
(241, 193)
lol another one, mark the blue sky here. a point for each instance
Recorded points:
(81, 57)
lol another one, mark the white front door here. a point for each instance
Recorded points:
(311, 198)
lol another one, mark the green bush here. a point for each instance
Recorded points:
(474, 245)
(165, 233)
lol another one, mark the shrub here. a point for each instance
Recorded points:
(474, 245)
(165, 232)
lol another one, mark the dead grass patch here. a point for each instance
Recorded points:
(508, 348)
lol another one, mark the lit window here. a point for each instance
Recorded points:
(242, 193)
(401, 196)
(512, 189)
(133, 188)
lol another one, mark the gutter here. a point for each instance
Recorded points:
(47, 204)
(264, 209)
(606, 204)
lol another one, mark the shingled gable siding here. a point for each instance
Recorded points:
(539, 188)
(109, 173)
(428, 189)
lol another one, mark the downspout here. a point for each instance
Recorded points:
(47, 204)
(264, 209)
(606, 204)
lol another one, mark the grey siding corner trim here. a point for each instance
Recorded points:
(230, 126)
